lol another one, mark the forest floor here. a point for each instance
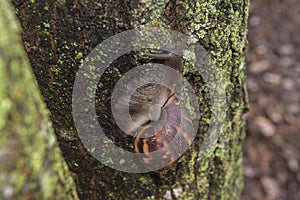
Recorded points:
(272, 146)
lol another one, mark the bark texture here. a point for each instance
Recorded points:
(59, 34)
(31, 164)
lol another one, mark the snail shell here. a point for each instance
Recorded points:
(174, 120)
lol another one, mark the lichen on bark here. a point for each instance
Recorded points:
(31, 164)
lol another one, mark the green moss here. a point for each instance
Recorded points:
(28, 137)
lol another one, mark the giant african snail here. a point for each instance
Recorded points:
(157, 113)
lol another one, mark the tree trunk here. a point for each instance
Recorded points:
(58, 35)
(31, 163)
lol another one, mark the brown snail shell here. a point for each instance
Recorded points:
(174, 120)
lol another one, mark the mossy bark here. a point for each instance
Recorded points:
(31, 164)
(59, 34)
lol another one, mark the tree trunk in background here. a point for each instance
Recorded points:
(57, 36)
(31, 164)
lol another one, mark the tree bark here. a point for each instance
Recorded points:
(58, 35)
(31, 164)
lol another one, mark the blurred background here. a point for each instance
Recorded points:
(272, 146)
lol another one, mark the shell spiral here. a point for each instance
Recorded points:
(174, 120)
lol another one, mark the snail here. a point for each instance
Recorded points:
(156, 116)
(173, 120)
